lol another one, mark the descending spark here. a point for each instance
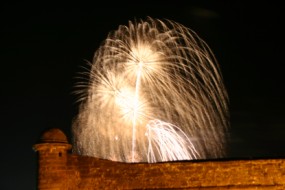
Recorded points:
(164, 138)
(155, 93)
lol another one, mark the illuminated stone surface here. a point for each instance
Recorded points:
(58, 169)
(54, 135)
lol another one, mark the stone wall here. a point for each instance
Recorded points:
(61, 170)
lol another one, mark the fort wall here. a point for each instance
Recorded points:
(59, 169)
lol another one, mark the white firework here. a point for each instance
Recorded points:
(168, 142)
(155, 93)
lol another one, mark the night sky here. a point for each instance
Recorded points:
(44, 47)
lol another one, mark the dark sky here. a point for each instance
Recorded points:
(44, 46)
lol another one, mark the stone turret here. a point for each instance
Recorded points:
(52, 160)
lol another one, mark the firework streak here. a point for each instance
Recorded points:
(154, 93)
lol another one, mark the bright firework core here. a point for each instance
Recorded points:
(155, 93)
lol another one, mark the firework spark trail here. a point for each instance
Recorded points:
(163, 138)
(137, 88)
(153, 70)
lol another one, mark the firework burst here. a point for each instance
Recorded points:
(155, 93)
